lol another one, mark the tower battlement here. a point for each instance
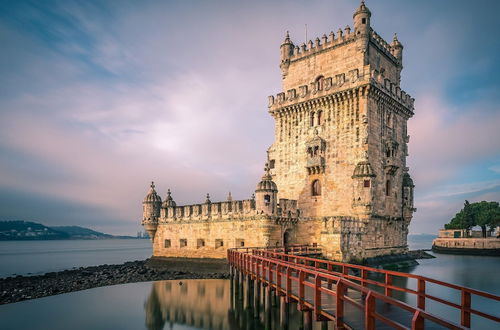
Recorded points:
(332, 40)
(341, 84)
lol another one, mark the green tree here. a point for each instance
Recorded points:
(483, 214)
(487, 214)
(465, 219)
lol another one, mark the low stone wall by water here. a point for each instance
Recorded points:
(475, 246)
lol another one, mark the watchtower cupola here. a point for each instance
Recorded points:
(169, 201)
(151, 206)
(286, 50)
(266, 194)
(286, 47)
(362, 19)
(397, 49)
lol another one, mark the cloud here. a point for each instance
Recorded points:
(495, 168)
(100, 98)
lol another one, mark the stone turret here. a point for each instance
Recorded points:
(363, 185)
(169, 201)
(151, 206)
(362, 19)
(408, 187)
(397, 49)
(286, 49)
(266, 194)
(362, 28)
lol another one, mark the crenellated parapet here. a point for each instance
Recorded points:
(392, 88)
(325, 43)
(383, 46)
(210, 210)
(316, 89)
(224, 211)
(338, 86)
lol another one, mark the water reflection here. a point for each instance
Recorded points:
(197, 303)
(210, 304)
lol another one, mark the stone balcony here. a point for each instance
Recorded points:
(315, 164)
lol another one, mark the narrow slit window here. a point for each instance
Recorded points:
(316, 188)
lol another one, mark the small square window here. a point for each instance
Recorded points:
(219, 243)
(363, 20)
(366, 184)
(167, 243)
(183, 242)
(200, 243)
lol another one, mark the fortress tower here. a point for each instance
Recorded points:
(336, 172)
(341, 136)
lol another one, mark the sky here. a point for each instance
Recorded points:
(98, 98)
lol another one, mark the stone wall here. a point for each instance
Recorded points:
(212, 238)
(468, 243)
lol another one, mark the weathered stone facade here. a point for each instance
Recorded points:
(336, 172)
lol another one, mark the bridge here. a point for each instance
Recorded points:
(347, 296)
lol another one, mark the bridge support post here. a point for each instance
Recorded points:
(248, 294)
(284, 315)
(240, 285)
(235, 281)
(232, 293)
(308, 320)
(256, 298)
(267, 300)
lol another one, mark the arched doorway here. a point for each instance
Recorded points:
(287, 238)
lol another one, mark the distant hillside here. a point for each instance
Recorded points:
(26, 230)
(80, 232)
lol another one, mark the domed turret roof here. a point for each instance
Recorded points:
(287, 39)
(152, 196)
(169, 200)
(363, 169)
(396, 42)
(267, 183)
(407, 180)
(362, 9)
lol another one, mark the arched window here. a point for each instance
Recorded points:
(320, 81)
(319, 117)
(316, 188)
(311, 119)
(267, 199)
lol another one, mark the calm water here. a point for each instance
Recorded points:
(207, 304)
(38, 257)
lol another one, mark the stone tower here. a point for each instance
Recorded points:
(341, 138)
(151, 211)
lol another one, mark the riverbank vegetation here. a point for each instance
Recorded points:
(483, 214)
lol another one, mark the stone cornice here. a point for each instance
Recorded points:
(371, 88)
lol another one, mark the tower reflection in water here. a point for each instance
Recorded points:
(210, 304)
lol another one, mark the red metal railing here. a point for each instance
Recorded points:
(271, 267)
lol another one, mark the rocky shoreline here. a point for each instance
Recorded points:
(19, 288)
